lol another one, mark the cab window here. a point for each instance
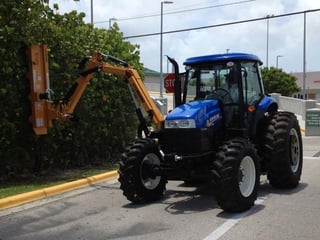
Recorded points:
(250, 75)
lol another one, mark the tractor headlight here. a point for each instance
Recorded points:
(181, 123)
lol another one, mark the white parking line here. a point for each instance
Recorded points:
(216, 234)
(311, 158)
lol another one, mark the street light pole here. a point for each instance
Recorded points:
(267, 58)
(111, 19)
(277, 61)
(91, 11)
(161, 33)
(304, 56)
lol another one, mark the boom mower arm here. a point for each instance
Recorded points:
(64, 109)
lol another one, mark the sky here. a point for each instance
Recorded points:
(285, 38)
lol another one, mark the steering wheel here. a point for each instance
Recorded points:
(220, 93)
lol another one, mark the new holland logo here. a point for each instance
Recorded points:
(211, 121)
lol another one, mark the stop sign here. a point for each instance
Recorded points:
(169, 82)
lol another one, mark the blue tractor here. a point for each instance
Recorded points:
(224, 129)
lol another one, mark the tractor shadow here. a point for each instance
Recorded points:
(181, 198)
(265, 190)
(184, 198)
(190, 198)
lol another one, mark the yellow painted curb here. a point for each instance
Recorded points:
(50, 191)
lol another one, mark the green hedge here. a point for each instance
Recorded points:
(105, 125)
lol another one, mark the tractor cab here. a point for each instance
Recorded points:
(233, 80)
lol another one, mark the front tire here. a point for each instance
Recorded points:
(283, 147)
(135, 172)
(236, 175)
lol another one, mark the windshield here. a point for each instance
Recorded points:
(202, 81)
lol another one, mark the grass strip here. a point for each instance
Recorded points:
(11, 187)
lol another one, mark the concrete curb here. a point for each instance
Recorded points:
(51, 191)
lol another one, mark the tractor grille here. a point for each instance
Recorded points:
(187, 141)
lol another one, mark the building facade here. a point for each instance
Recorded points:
(312, 85)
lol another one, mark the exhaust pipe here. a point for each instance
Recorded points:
(177, 82)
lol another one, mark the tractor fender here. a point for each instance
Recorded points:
(266, 105)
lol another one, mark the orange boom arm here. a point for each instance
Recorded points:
(43, 112)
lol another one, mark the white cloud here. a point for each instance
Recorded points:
(285, 34)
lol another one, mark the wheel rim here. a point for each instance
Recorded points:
(149, 161)
(294, 150)
(247, 176)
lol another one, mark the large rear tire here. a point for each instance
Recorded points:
(283, 150)
(135, 172)
(236, 175)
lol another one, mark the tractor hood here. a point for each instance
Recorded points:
(205, 113)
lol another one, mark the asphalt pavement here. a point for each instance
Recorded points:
(100, 211)
(311, 150)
